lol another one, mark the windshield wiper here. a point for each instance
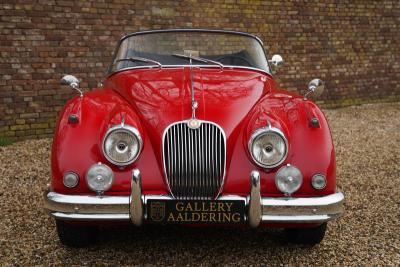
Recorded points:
(139, 59)
(200, 59)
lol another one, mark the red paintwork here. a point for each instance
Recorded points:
(239, 100)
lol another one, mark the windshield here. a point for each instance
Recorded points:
(229, 49)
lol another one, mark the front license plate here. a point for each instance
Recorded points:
(196, 211)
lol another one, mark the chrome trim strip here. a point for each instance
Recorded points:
(304, 201)
(297, 218)
(84, 200)
(254, 200)
(77, 205)
(297, 210)
(135, 199)
(183, 66)
(193, 30)
(145, 198)
(233, 197)
(90, 217)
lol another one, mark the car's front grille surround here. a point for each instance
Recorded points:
(194, 160)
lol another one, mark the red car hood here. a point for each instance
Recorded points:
(163, 96)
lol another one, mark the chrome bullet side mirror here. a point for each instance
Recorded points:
(276, 60)
(72, 81)
(316, 86)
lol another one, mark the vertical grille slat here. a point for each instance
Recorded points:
(189, 178)
(206, 151)
(201, 157)
(212, 156)
(178, 160)
(194, 160)
(219, 155)
(184, 153)
(196, 166)
(215, 163)
(174, 159)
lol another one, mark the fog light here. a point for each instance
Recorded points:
(318, 181)
(70, 179)
(288, 179)
(99, 178)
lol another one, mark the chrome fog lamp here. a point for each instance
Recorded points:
(122, 144)
(99, 178)
(288, 179)
(318, 181)
(70, 179)
(268, 147)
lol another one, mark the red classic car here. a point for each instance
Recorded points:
(190, 128)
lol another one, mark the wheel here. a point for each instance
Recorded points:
(307, 236)
(76, 236)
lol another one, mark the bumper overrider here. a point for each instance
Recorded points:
(133, 208)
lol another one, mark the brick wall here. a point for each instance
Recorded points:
(353, 45)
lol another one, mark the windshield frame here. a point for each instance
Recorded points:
(110, 72)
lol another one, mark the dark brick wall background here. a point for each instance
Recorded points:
(352, 45)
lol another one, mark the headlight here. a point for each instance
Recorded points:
(122, 144)
(268, 147)
(288, 179)
(99, 177)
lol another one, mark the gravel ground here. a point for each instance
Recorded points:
(367, 140)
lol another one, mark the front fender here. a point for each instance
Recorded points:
(310, 147)
(77, 146)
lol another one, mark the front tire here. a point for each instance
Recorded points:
(307, 236)
(76, 236)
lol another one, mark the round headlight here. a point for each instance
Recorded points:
(99, 177)
(268, 147)
(122, 144)
(318, 181)
(288, 179)
(70, 179)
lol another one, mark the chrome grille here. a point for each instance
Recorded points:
(194, 160)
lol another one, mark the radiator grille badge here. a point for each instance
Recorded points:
(193, 123)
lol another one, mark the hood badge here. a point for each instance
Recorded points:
(193, 123)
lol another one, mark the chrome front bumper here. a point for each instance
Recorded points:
(259, 209)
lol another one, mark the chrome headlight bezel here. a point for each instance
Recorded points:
(70, 174)
(262, 131)
(127, 129)
(315, 184)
